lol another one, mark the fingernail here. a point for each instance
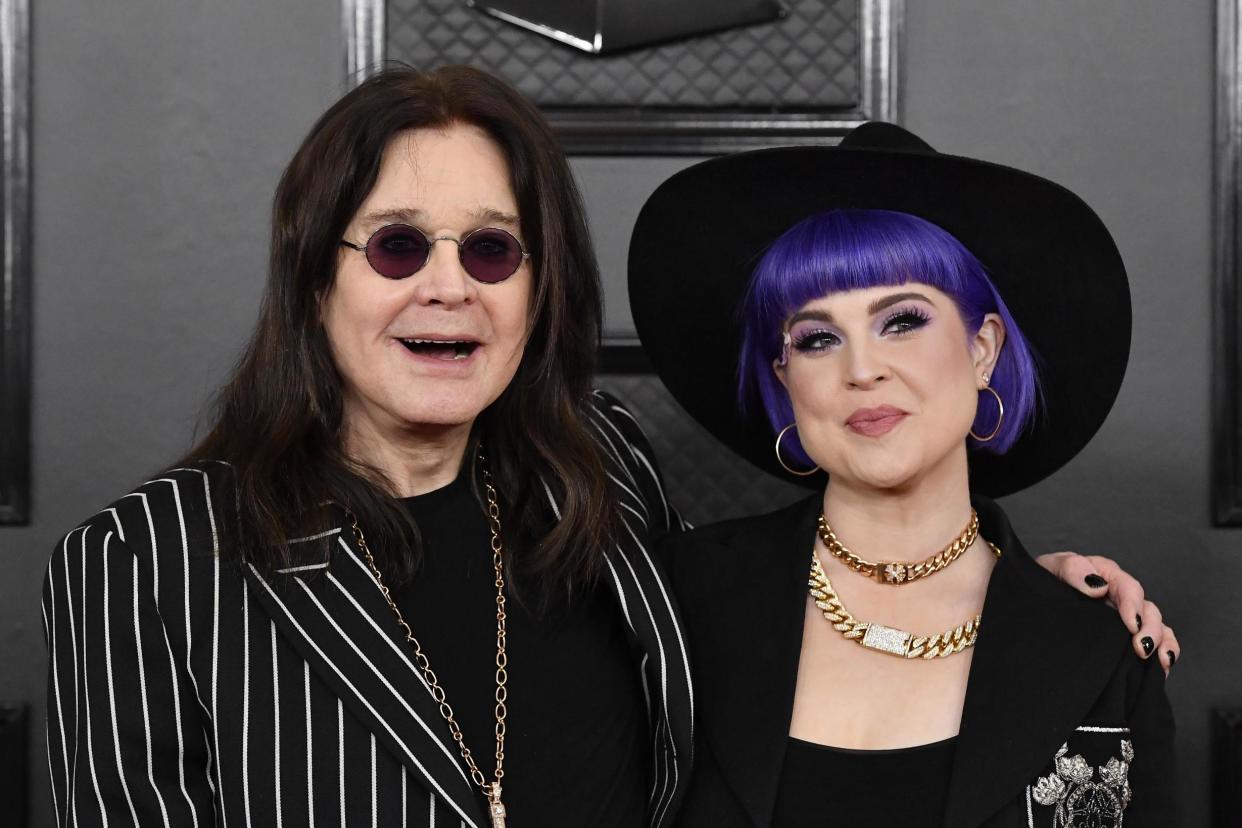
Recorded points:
(1148, 644)
(1172, 658)
(1138, 619)
(1095, 581)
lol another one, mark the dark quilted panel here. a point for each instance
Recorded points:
(808, 60)
(705, 480)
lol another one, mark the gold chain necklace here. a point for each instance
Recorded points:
(888, 639)
(900, 572)
(496, 808)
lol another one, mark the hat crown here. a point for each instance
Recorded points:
(885, 136)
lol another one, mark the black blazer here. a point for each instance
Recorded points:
(1053, 674)
(188, 691)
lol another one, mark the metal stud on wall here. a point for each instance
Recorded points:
(15, 278)
(1227, 272)
(14, 776)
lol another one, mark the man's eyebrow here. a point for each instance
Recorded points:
(413, 215)
(489, 215)
(892, 299)
(396, 215)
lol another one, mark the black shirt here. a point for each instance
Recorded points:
(823, 786)
(576, 724)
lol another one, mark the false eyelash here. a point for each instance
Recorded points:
(915, 313)
(800, 341)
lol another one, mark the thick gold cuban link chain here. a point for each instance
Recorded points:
(888, 639)
(492, 790)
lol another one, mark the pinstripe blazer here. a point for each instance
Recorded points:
(184, 690)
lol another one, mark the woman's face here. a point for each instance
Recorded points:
(435, 348)
(884, 382)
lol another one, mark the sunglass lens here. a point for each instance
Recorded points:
(397, 251)
(491, 255)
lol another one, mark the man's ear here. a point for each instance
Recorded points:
(986, 344)
(321, 300)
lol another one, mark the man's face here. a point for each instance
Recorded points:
(434, 349)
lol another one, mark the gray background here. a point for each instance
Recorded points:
(160, 129)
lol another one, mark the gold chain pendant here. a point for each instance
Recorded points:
(899, 572)
(496, 809)
(885, 639)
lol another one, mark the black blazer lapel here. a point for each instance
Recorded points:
(336, 617)
(762, 567)
(1043, 657)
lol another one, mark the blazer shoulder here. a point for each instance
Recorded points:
(722, 532)
(176, 510)
(1061, 598)
(735, 548)
(1053, 597)
(622, 440)
(617, 430)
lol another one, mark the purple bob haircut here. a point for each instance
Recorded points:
(844, 250)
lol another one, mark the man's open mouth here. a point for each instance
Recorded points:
(440, 348)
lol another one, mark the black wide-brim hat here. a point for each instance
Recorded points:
(701, 234)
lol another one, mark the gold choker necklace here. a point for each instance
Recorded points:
(900, 572)
(888, 639)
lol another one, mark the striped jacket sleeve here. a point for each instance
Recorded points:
(642, 585)
(125, 743)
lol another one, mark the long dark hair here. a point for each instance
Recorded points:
(278, 421)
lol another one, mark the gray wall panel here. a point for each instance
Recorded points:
(159, 131)
(1114, 100)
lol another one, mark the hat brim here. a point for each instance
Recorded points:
(700, 235)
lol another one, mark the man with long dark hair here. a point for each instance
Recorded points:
(406, 578)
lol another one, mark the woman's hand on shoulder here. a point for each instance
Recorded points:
(1099, 577)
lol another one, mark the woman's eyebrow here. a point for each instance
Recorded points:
(892, 299)
(816, 315)
(872, 309)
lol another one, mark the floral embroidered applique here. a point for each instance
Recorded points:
(1077, 799)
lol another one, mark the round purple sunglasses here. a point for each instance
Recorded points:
(488, 254)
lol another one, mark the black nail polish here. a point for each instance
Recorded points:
(1138, 619)
(1095, 581)
(1148, 644)
(1172, 658)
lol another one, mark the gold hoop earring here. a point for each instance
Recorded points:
(781, 460)
(1000, 418)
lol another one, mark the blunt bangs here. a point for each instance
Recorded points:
(843, 250)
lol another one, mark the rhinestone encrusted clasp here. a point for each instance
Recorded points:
(887, 639)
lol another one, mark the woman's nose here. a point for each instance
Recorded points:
(864, 368)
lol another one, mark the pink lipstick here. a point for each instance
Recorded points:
(875, 422)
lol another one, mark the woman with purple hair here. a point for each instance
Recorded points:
(921, 332)
(407, 468)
